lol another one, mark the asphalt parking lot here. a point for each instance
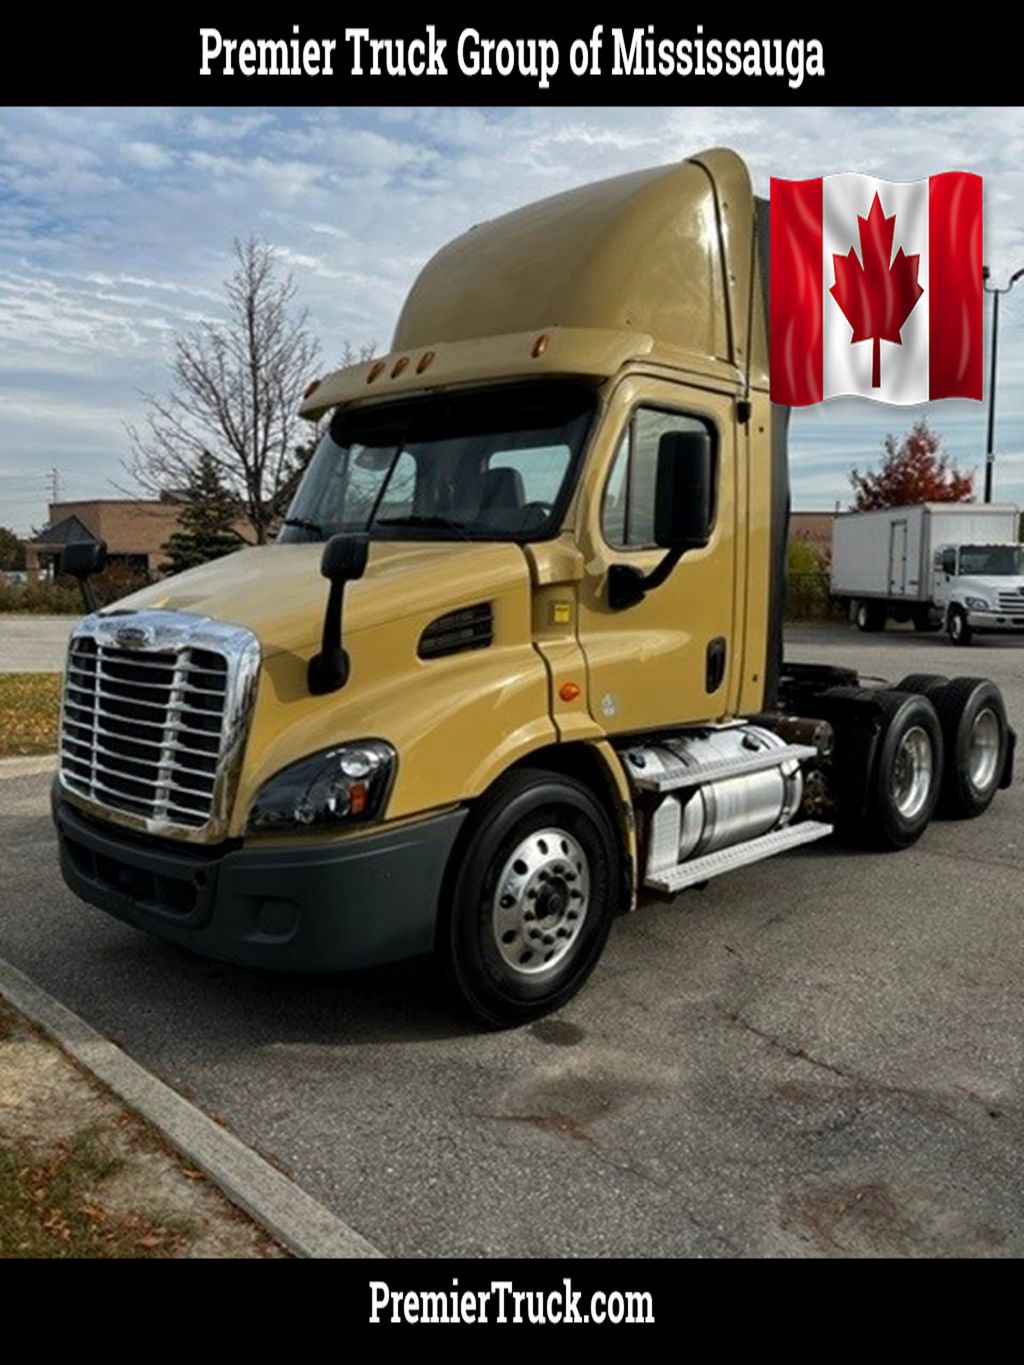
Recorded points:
(820, 1054)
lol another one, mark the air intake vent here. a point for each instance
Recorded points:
(470, 628)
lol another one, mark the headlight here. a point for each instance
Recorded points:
(977, 604)
(338, 786)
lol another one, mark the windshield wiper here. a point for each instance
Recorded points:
(420, 519)
(301, 524)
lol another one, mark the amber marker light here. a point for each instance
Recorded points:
(425, 360)
(375, 371)
(569, 691)
(540, 345)
(311, 388)
(399, 366)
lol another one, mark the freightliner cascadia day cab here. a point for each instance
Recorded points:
(544, 676)
(956, 565)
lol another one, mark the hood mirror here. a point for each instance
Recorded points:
(343, 561)
(81, 560)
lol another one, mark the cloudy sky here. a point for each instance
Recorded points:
(116, 227)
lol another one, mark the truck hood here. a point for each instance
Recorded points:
(989, 586)
(277, 591)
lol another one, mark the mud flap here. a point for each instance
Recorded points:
(1011, 748)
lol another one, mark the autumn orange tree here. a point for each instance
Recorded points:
(915, 468)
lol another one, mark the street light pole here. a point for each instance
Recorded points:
(990, 457)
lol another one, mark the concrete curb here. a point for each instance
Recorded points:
(287, 1212)
(27, 767)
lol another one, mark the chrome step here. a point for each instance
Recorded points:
(672, 879)
(678, 774)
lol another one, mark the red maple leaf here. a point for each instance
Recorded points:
(877, 297)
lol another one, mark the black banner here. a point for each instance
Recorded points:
(689, 56)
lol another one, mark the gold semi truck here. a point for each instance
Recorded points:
(544, 676)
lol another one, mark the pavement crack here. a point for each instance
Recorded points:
(791, 1049)
(866, 1083)
(958, 856)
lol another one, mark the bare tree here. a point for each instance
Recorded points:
(234, 395)
(356, 355)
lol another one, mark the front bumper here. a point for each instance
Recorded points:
(309, 907)
(996, 621)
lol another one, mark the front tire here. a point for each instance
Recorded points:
(533, 899)
(958, 627)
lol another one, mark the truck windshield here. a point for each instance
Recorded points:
(992, 560)
(495, 464)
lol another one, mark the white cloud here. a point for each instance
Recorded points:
(227, 127)
(147, 155)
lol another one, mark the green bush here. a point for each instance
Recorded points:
(51, 599)
(808, 584)
(63, 597)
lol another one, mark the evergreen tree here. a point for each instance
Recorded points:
(12, 552)
(206, 531)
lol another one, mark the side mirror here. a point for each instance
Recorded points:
(683, 512)
(343, 561)
(345, 557)
(949, 562)
(81, 560)
(684, 491)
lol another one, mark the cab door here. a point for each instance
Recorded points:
(945, 575)
(671, 658)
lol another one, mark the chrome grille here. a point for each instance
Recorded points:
(154, 713)
(1012, 600)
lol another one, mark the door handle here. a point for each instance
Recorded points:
(714, 670)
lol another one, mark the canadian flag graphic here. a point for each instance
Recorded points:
(876, 288)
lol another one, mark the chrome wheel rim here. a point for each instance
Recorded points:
(912, 773)
(983, 760)
(541, 901)
(956, 625)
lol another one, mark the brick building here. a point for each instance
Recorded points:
(814, 529)
(135, 529)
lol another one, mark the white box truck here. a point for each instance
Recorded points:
(958, 566)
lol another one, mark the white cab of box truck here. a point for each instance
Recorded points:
(956, 566)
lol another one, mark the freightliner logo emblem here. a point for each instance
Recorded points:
(133, 637)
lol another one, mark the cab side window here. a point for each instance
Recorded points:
(627, 513)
